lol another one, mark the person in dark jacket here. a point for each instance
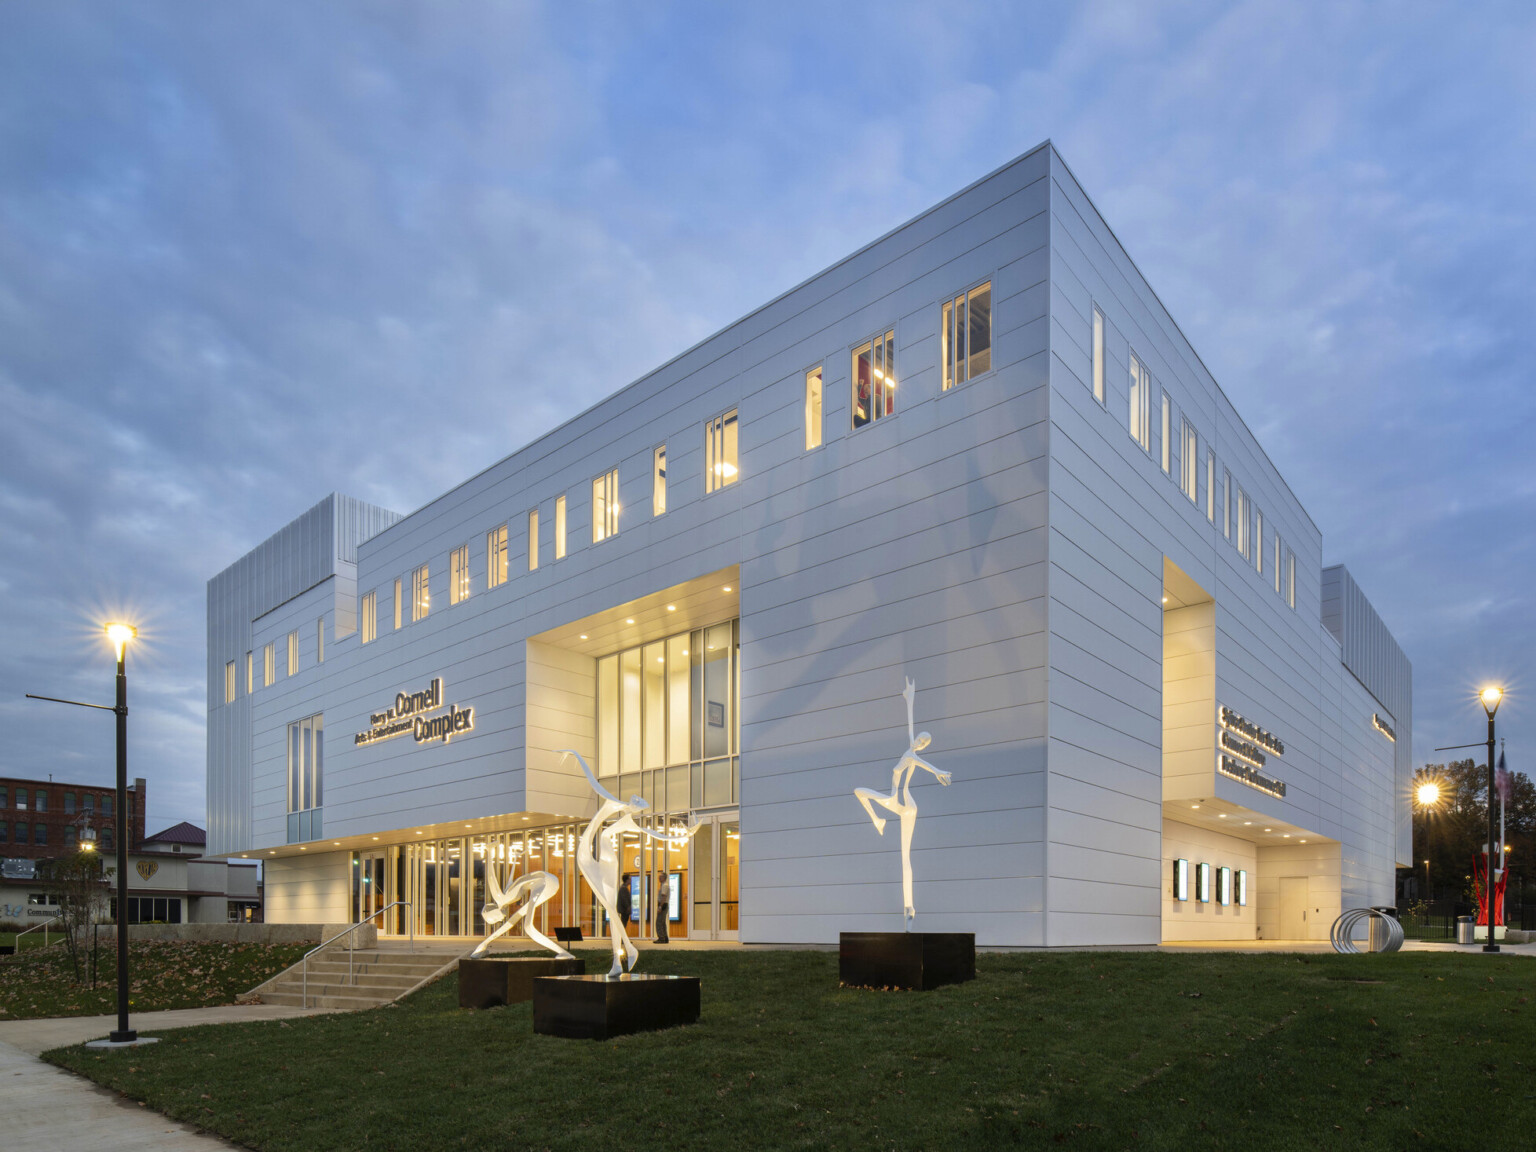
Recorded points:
(662, 895)
(624, 900)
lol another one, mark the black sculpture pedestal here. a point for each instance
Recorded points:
(601, 1007)
(919, 961)
(487, 981)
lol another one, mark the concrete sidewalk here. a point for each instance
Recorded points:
(56, 1109)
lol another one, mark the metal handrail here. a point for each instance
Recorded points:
(351, 947)
(34, 928)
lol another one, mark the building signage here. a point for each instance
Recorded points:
(1383, 727)
(147, 868)
(413, 713)
(1242, 752)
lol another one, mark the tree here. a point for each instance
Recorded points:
(81, 885)
(1452, 832)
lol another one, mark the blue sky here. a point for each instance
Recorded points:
(251, 254)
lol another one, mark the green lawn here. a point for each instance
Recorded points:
(1093, 1050)
(31, 940)
(163, 974)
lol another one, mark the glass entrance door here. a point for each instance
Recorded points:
(716, 878)
(368, 887)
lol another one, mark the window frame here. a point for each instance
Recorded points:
(368, 617)
(458, 575)
(1189, 460)
(605, 505)
(1210, 484)
(399, 602)
(886, 340)
(269, 664)
(722, 450)
(293, 653)
(659, 480)
(496, 557)
(560, 526)
(421, 592)
(954, 371)
(1096, 383)
(1165, 436)
(230, 682)
(533, 540)
(1140, 410)
(814, 424)
(320, 640)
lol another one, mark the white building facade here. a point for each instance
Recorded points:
(977, 452)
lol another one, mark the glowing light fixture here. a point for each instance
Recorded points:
(1490, 696)
(120, 634)
(1427, 795)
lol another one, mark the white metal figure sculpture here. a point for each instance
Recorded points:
(900, 802)
(597, 855)
(538, 887)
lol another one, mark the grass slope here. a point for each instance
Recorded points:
(1100, 1050)
(163, 974)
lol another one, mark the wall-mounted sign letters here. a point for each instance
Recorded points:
(411, 714)
(1383, 727)
(1242, 747)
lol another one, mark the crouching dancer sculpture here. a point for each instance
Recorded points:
(900, 802)
(538, 887)
(597, 855)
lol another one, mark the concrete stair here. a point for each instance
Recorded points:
(378, 976)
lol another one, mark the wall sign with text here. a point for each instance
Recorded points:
(414, 713)
(1244, 750)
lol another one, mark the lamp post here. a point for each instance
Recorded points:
(1490, 697)
(120, 634)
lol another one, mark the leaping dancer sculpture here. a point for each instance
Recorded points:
(903, 807)
(597, 855)
(538, 887)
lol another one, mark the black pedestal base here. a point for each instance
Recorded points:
(920, 961)
(487, 981)
(601, 1007)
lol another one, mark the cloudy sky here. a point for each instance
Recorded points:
(254, 253)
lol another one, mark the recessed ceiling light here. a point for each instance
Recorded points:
(302, 848)
(1219, 816)
(671, 607)
(1247, 823)
(583, 635)
(466, 825)
(661, 659)
(418, 831)
(1194, 805)
(1287, 835)
(1165, 599)
(244, 856)
(375, 837)
(727, 587)
(1305, 842)
(337, 843)
(1269, 829)
(631, 620)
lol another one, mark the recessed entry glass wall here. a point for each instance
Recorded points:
(668, 725)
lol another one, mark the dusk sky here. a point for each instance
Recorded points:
(252, 254)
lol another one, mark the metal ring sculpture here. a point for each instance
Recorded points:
(1343, 930)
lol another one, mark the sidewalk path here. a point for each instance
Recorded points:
(53, 1109)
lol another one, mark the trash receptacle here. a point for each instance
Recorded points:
(1379, 932)
(1464, 933)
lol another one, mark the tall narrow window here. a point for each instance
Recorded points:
(250, 673)
(269, 666)
(293, 652)
(306, 778)
(720, 452)
(229, 682)
(399, 602)
(1189, 462)
(874, 379)
(605, 505)
(1275, 559)
(813, 409)
(1244, 548)
(1257, 540)
(320, 641)
(1210, 485)
(1165, 435)
(421, 593)
(368, 625)
(1141, 404)
(458, 574)
(496, 557)
(966, 338)
(533, 540)
(559, 527)
(659, 481)
(1226, 503)
(1290, 579)
(1098, 354)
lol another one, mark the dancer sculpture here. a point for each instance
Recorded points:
(900, 802)
(597, 855)
(538, 887)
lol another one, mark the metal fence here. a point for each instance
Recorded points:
(1437, 920)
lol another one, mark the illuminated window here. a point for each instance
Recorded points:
(1098, 354)
(399, 602)
(1210, 485)
(1165, 435)
(320, 641)
(458, 574)
(421, 593)
(306, 777)
(605, 505)
(229, 682)
(966, 339)
(813, 409)
(1189, 463)
(250, 674)
(269, 666)
(659, 481)
(293, 652)
(720, 452)
(368, 625)
(559, 527)
(874, 379)
(1141, 404)
(496, 557)
(533, 540)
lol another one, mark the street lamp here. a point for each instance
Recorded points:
(1490, 697)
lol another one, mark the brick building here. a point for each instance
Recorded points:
(40, 820)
